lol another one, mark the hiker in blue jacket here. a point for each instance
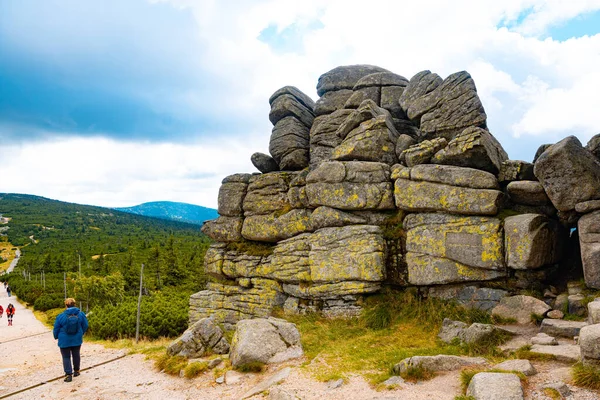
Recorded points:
(69, 328)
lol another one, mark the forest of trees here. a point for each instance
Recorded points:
(96, 254)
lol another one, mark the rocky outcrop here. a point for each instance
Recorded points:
(389, 181)
(589, 340)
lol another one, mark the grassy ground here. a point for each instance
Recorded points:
(393, 327)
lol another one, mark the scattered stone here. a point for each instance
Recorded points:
(275, 379)
(555, 314)
(495, 386)
(561, 302)
(393, 381)
(451, 330)
(473, 148)
(594, 312)
(200, 338)
(577, 305)
(440, 362)
(544, 339)
(521, 308)
(562, 328)
(233, 378)
(262, 340)
(264, 163)
(560, 387)
(574, 287)
(220, 380)
(589, 340)
(278, 393)
(334, 384)
(522, 366)
(568, 353)
(215, 362)
(569, 173)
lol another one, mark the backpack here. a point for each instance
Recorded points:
(72, 326)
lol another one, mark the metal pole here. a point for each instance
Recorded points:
(79, 255)
(65, 282)
(137, 323)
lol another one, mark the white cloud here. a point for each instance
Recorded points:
(104, 172)
(531, 86)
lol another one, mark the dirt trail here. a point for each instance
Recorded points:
(30, 360)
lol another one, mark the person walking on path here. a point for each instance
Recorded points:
(8, 290)
(1, 311)
(10, 313)
(69, 328)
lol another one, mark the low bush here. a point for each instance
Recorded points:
(162, 315)
(49, 301)
(586, 376)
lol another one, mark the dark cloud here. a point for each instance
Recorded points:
(111, 67)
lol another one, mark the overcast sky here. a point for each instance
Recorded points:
(120, 102)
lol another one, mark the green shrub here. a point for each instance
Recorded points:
(49, 301)
(162, 315)
(378, 317)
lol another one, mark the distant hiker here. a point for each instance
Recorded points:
(10, 313)
(1, 311)
(69, 328)
(8, 290)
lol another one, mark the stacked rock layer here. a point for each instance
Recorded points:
(385, 180)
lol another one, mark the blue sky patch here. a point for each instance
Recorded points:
(585, 24)
(289, 40)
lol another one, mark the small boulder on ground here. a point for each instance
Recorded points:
(263, 340)
(522, 366)
(521, 308)
(440, 362)
(544, 339)
(594, 311)
(589, 340)
(495, 386)
(562, 328)
(200, 338)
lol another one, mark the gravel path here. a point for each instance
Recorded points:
(34, 359)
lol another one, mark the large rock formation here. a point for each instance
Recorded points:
(385, 180)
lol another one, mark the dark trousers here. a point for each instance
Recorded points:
(67, 352)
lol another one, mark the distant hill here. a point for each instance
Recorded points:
(171, 210)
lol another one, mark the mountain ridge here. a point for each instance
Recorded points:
(171, 210)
